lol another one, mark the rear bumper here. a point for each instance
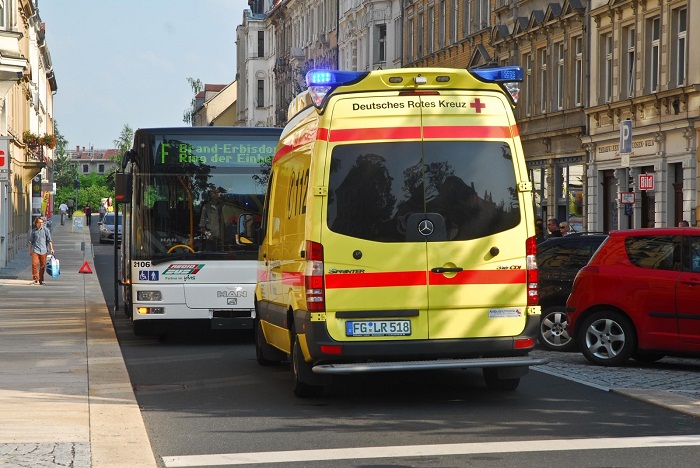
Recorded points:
(370, 356)
(149, 327)
(354, 368)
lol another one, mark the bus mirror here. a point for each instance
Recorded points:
(122, 187)
(246, 230)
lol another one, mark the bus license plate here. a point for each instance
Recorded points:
(378, 328)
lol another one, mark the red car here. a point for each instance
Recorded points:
(639, 297)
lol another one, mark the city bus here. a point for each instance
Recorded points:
(181, 191)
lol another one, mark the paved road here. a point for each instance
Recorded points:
(671, 382)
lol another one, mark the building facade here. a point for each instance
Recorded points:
(93, 161)
(27, 84)
(643, 73)
(591, 67)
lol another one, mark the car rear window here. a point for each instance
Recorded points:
(375, 187)
(655, 252)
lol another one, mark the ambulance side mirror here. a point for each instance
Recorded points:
(247, 230)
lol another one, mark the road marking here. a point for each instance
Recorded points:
(401, 451)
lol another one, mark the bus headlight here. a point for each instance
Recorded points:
(149, 296)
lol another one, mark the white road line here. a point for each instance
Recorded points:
(401, 451)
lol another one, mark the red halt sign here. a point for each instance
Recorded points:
(646, 181)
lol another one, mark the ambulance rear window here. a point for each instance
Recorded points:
(377, 191)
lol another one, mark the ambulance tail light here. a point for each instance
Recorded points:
(508, 77)
(321, 83)
(313, 278)
(531, 274)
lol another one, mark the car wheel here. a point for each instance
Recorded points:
(498, 384)
(300, 368)
(607, 338)
(265, 354)
(553, 333)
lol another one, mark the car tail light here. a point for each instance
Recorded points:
(313, 278)
(531, 271)
(524, 343)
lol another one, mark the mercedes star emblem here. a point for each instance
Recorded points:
(426, 227)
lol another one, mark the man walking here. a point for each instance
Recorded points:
(40, 244)
(63, 208)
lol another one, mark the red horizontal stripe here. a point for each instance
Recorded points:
(376, 280)
(479, 277)
(417, 278)
(384, 133)
(463, 131)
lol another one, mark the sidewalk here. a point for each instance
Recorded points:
(65, 394)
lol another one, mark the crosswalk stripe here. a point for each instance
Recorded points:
(405, 451)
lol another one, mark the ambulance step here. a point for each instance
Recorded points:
(364, 367)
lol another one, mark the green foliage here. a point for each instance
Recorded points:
(93, 188)
(123, 144)
(64, 171)
(197, 86)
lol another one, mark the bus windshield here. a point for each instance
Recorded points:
(189, 191)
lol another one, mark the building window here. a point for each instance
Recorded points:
(628, 68)
(86, 169)
(654, 41)
(2, 14)
(560, 75)
(453, 21)
(261, 93)
(679, 27)
(466, 18)
(419, 46)
(529, 87)
(578, 84)
(431, 29)
(398, 44)
(261, 43)
(442, 18)
(543, 80)
(482, 14)
(380, 43)
(101, 168)
(409, 40)
(607, 56)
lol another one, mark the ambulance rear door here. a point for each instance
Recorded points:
(473, 225)
(376, 280)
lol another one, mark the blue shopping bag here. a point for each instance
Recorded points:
(53, 266)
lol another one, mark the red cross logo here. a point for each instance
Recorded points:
(477, 105)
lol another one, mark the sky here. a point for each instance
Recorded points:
(126, 62)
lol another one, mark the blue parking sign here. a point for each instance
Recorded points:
(626, 136)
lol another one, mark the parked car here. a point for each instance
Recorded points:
(558, 261)
(107, 228)
(638, 297)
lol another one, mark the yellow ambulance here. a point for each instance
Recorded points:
(398, 230)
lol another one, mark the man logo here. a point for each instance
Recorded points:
(231, 294)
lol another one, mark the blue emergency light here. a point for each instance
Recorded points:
(322, 82)
(499, 74)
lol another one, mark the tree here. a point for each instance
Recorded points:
(197, 86)
(64, 171)
(123, 144)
